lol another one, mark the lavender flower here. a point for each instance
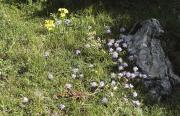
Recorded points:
(128, 74)
(116, 45)
(124, 45)
(118, 49)
(111, 50)
(125, 64)
(120, 68)
(115, 55)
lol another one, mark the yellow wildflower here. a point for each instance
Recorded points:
(49, 24)
(63, 10)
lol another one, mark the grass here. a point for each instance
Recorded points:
(23, 43)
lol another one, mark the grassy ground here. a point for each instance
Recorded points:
(30, 55)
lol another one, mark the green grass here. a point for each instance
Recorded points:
(23, 42)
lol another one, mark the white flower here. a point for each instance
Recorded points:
(68, 86)
(91, 65)
(133, 75)
(111, 50)
(58, 22)
(50, 76)
(120, 60)
(78, 52)
(46, 54)
(108, 31)
(126, 86)
(67, 22)
(128, 74)
(131, 86)
(73, 76)
(104, 100)
(115, 88)
(75, 70)
(62, 106)
(113, 75)
(81, 75)
(135, 94)
(89, 27)
(116, 45)
(120, 75)
(120, 68)
(93, 84)
(111, 40)
(144, 76)
(87, 46)
(112, 94)
(136, 102)
(115, 55)
(118, 49)
(125, 64)
(101, 84)
(135, 69)
(110, 44)
(125, 99)
(25, 100)
(124, 45)
(113, 83)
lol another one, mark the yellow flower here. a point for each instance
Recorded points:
(49, 24)
(62, 15)
(63, 10)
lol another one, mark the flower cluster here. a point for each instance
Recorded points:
(49, 24)
(63, 12)
(56, 20)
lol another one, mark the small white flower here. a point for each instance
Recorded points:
(125, 64)
(67, 22)
(89, 27)
(113, 83)
(115, 55)
(110, 44)
(93, 84)
(46, 54)
(125, 99)
(75, 70)
(144, 76)
(120, 60)
(78, 52)
(135, 94)
(104, 100)
(135, 69)
(73, 76)
(50, 76)
(136, 102)
(101, 84)
(124, 45)
(120, 75)
(58, 22)
(116, 45)
(111, 40)
(62, 106)
(25, 100)
(68, 86)
(120, 68)
(126, 86)
(81, 76)
(140, 75)
(118, 49)
(91, 65)
(133, 75)
(128, 74)
(131, 86)
(108, 31)
(87, 46)
(111, 50)
(113, 75)
(112, 94)
(115, 88)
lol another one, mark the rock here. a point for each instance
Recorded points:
(144, 44)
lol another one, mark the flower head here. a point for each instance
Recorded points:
(49, 24)
(63, 12)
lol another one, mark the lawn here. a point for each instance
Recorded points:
(66, 70)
